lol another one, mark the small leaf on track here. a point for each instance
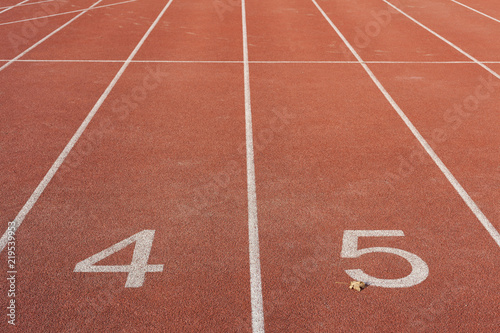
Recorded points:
(357, 285)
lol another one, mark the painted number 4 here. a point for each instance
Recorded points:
(138, 267)
(419, 269)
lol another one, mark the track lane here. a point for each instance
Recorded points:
(322, 175)
(455, 109)
(29, 3)
(197, 31)
(9, 8)
(43, 9)
(108, 33)
(157, 160)
(17, 38)
(74, 139)
(489, 7)
(55, 166)
(280, 33)
(379, 33)
(474, 7)
(316, 179)
(43, 105)
(475, 34)
(208, 238)
(42, 16)
(9, 3)
(484, 153)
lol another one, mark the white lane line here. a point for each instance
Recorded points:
(10, 62)
(477, 11)
(134, 61)
(57, 164)
(250, 61)
(253, 224)
(453, 181)
(31, 3)
(495, 74)
(13, 6)
(65, 13)
(367, 62)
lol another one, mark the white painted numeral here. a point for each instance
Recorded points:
(136, 270)
(419, 271)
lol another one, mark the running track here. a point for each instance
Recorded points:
(227, 154)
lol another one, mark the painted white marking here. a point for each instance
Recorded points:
(57, 164)
(133, 61)
(495, 74)
(477, 11)
(13, 6)
(419, 269)
(250, 61)
(65, 13)
(138, 267)
(253, 224)
(10, 62)
(31, 3)
(366, 62)
(453, 181)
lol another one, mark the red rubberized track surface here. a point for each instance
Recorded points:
(187, 104)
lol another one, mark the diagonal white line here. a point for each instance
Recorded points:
(495, 74)
(475, 10)
(31, 3)
(253, 224)
(57, 164)
(13, 6)
(453, 181)
(47, 37)
(65, 13)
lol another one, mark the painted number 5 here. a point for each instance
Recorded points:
(419, 269)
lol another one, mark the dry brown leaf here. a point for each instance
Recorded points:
(357, 285)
